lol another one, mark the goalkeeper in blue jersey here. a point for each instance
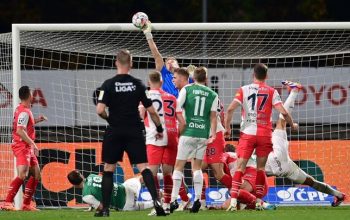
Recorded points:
(167, 68)
(124, 196)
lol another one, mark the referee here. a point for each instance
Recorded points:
(122, 95)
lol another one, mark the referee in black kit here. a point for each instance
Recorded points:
(122, 95)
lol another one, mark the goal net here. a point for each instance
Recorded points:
(65, 64)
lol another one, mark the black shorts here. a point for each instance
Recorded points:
(118, 140)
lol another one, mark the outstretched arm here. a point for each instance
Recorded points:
(153, 47)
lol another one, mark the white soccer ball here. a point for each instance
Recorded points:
(139, 19)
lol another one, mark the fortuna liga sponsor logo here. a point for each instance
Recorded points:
(195, 125)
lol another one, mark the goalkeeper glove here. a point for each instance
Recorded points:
(190, 69)
(147, 30)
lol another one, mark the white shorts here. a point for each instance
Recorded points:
(132, 190)
(279, 163)
(191, 147)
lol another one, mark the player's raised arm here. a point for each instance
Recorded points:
(147, 30)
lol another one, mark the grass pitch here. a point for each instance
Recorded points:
(282, 213)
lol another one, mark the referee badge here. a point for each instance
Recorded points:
(100, 96)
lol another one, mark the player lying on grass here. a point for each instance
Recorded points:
(247, 192)
(124, 196)
(279, 162)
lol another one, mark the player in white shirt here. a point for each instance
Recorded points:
(280, 164)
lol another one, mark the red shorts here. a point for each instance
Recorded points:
(247, 143)
(24, 155)
(250, 176)
(157, 155)
(215, 150)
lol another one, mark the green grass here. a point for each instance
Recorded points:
(282, 213)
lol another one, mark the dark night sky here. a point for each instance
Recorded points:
(120, 11)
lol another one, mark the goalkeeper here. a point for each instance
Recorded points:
(124, 196)
(168, 68)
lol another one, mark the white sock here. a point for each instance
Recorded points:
(289, 103)
(325, 188)
(197, 183)
(144, 205)
(177, 179)
(233, 202)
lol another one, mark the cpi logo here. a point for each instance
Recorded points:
(294, 194)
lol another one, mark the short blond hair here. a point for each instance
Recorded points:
(154, 76)
(183, 72)
(200, 74)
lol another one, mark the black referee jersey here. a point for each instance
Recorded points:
(122, 94)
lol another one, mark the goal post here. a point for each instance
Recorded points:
(65, 63)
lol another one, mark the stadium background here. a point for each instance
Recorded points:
(189, 11)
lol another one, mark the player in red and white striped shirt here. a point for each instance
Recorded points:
(162, 151)
(257, 100)
(25, 151)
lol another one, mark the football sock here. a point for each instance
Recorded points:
(197, 183)
(29, 190)
(203, 191)
(168, 186)
(289, 103)
(149, 182)
(183, 191)
(13, 189)
(107, 188)
(260, 183)
(157, 185)
(177, 179)
(325, 188)
(226, 180)
(246, 197)
(236, 183)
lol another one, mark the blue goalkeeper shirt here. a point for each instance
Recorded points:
(168, 85)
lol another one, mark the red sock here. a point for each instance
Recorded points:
(157, 185)
(183, 192)
(226, 180)
(246, 197)
(236, 183)
(13, 189)
(260, 182)
(168, 186)
(203, 191)
(29, 190)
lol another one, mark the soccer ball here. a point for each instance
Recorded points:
(139, 19)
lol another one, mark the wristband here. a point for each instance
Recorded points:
(149, 36)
